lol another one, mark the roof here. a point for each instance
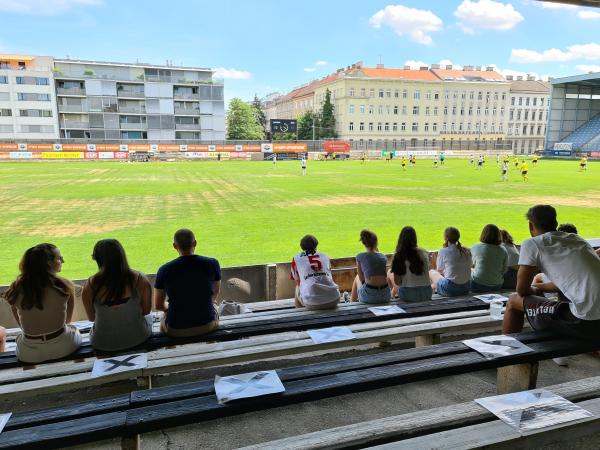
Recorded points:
(468, 75)
(588, 79)
(530, 86)
(394, 74)
(141, 64)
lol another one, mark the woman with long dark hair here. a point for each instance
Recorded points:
(410, 268)
(489, 261)
(117, 299)
(453, 275)
(42, 303)
(370, 284)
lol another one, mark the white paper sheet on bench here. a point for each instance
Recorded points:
(83, 324)
(332, 334)
(531, 410)
(496, 346)
(4, 420)
(121, 363)
(490, 298)
(246, 385)
(10, 346)
(385, 310)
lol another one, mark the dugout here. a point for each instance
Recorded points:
(574, 116)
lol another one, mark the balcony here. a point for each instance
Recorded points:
(133, 126)
(187, 111)
(185, 95)
(71, 124)
(70, 91)
(72, 108)
(132, 110)
(130, 94)
(187, 126)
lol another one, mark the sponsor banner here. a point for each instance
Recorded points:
(121, 155)
(290, 148)
(62, 155)
(168, 147)
(266, 148)
(153, 147)
(212, 148)
(74, 147)
(138, 147)
(215, 155)
(283, 125)
(251, 147)
(106, 155)
(42, 147)
(91, 155)
(110, 148)
(91, 147)
(4, 155)
(7, 146)
(226, 148)
(239, 148)
(417, 152)
(559, 152)
(283, 156)
(239, 155)
(197, 148)
(196, 154)
(22, 147)
(595, 155)
(21, 155)
(123, 148)
(183, 148)
(58, 147)
(563, 146)
(336, 146)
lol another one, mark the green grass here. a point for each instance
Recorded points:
(251, 212)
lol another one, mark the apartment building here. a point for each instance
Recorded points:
(121, 101)
(27, 98)
(528, 114)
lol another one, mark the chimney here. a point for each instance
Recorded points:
(478, 68)
(449, 67)
(354, 66)
(406, 67)
(530, 78)
(468, 68)
(519, 78)
(359, 64)
(423, 68)
(380, 66)
(509, 77)
(489, 68)
(435, 66)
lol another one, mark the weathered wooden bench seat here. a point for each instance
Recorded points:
(165, 407)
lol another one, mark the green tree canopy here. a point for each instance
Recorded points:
(241, 121)
(259, 112)
(305, 126)
(327, 122)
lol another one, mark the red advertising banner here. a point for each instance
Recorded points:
(121, 155)
(4, 155)
(238, 155)
(336, 146)
(595, 154)
(290, 148)
(168, 147)
(70, 147)
(91, 155)
(40, 147)
(107, 147)
(9, 147)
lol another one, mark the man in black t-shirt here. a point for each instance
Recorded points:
(191, 283)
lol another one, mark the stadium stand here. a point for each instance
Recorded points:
(585, 133)
(160, 408)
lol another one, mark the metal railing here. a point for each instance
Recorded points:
(188, 111)
(132, 110)
(74, 124)
(70, 91)
(132, 94)
(187, 126)
(72, 108)
(133, 126)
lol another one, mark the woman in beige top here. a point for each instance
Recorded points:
(42, 304)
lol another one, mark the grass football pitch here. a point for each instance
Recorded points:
(252, 212)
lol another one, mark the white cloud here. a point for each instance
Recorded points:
(309, 69)
(588, 15)
(232, 74)
(588, 52)
(447, 62)
(518, 73)
(321, 63)
(417, 24)
(551, 5)
(443, 63)
(44, 7)
(486, 14)
(587, 68)
(415, 64)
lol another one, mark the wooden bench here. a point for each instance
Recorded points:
(464, 420)
(18, 382)
(165, 407)
(234, 329)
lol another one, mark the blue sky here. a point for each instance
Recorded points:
(263, 46)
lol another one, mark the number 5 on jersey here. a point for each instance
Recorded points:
(315, 263)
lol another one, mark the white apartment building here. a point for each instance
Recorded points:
(528, 114)
(27, 98)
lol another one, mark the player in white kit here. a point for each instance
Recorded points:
(505, 171)
(303, 165)
(435, 161)
(274, 159)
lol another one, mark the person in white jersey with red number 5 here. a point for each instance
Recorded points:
(311, 270)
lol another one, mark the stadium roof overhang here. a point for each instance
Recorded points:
(591, 3)
(587, 80)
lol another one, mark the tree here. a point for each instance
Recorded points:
(241, 122)
(260, 114)
(305, 126)
(279, 136)
(327, 123)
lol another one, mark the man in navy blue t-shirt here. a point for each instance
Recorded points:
(192, 284)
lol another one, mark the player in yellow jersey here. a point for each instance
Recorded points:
(403, 162)
(524, 171)
(388, 157)
(516, 163)
(583, 163)
(535, 159)
(413, 161)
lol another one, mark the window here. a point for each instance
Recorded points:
(387, 127)
(495, 96)
(35, 113)
(463, 95)
(403, 126)
(388, 93)
(434, 127)
(395, 127)
(541, 101)
(446, 95)
(396, 110)
(455, 95)
(436, 95)
(520, 101)
(426, 126)
(526, 115)
(540, 115)
(427, 110)
(380, 93)
(444, 127)
(502, 112)
(527, 101)
(370, 109)
(4, 112)
(534, 101)
(372, 93)
(512, 101)
(380, 109)
(351, 109)
(471, 95)
(27, 96)
(351, 92)
(470, 112)
(462, 111)
(511, 115)
(479, 95)
(361, 126)
(494, 112)
(40, 81)
(539, 130)
(519, 114)
(403, 110)
(503, 96)
(453, 126)
(428, 95)
(524, 130)
(469, 126)
(417, 95)
(454, 110)
(362, 109)
(379, 126)
(415, 127)
(396, 93)
(363, 92)
(478, 111)
(370, 126)
(3, 79)
(404, 93)
(435, 110)
(445, 110)
(387, 109)
(415, 110)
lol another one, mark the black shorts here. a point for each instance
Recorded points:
(555, 315)
(524, 172)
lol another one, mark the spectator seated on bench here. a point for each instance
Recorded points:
(574, 270)
(489, 261)
(2, 338)
(191, 283)
(311, 270)
(371, 283)
(117, 299)
(42, 303)
(410, 269)
(453, 275)
(510, 276)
